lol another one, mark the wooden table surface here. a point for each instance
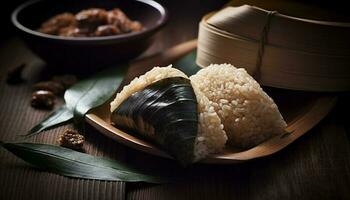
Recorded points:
(316, 166)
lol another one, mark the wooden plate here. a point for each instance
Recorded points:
(301, 110)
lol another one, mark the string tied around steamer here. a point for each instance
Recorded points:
(263, 41)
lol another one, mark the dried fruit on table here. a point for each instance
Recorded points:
(43, 99)
(72, 139)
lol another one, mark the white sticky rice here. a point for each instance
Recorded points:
(211, 137)
(248, 114)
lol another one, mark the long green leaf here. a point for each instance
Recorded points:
(93, 92)
(74, 164)
(83, 96)
(58, 117)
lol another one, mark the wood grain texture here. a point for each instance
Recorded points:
(316, 166)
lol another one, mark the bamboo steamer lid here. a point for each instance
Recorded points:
(309, 9)
(278, 50)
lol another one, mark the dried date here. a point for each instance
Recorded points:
(42, 99)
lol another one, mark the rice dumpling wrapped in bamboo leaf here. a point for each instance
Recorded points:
(166, 108)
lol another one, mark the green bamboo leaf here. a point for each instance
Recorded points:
(187, 64)
(60, 116)
(74, 164)
(83, 96)
(93, 92)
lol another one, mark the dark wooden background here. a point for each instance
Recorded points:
(316, 166)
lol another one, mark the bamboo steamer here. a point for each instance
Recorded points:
(278, 50)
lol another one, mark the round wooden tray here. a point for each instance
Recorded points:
(301, 110)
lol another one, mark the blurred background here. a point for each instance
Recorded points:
(335, 10)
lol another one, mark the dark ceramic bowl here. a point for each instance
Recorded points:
(96, 52)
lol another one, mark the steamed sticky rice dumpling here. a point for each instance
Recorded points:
(248, 114)
(193, 117)
(164, 107)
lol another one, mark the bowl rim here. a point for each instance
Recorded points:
(155, 5)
